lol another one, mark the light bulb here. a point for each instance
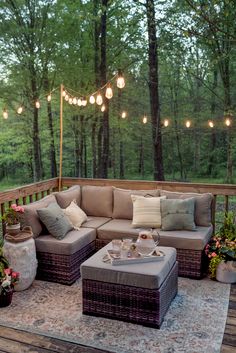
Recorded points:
(66, 97)
(74, 100)
(166, 122)
(99, 99)
(103, 108)
(211, 124)
(84, 102)
(120, 80)
(5, 114)
(63, 93)
(123, 115)
(70, 100)
(20, 110)
(188, 123)
(91, 100)
(37, 104)
(227, 122)
(145, 119)
(109, 92)
(79, 102)
(49, 98)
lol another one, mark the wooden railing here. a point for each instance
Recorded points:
(35, 191)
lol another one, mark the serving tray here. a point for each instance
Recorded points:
(113, 257)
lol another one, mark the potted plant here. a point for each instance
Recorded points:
(8, 278)
(221, 251)
(12, 218)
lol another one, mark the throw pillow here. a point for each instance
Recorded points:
(178, 214)
(146, 211)
(75, 215)
(55, 220)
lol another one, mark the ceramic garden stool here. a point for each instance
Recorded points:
(22, 258)
(139, 293)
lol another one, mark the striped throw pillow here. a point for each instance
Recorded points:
(146, 211)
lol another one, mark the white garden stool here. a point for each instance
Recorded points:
(22, 258)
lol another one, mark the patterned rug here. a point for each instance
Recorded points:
(194, 323)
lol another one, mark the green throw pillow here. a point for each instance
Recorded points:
(178, 214)
(55, 220)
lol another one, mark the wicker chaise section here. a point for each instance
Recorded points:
(62, 268)
(121, 302)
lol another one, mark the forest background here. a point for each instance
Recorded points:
(178, 59)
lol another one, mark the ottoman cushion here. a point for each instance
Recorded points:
(149, 275)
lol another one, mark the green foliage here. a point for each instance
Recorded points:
(3, 263)
(215, 261)
(228, 229)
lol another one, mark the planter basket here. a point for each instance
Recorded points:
(13, 229)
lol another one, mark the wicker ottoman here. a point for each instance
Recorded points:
(139, 293)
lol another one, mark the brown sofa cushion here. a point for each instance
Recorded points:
(30, 216)
(123, 205)
(97, 200)
(65, 197)
(202, 214)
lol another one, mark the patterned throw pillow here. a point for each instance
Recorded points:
(178, 214)
(55, 220)
(75, 214)
(146, 211)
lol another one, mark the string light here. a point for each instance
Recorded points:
(67, 97)
(211, 124)
(188, 124)
(79, 102)
(63, 93)
(166, 122)
(103, 108)
(84, 102)
(74, 100)
(227, 122)
(109, 92)
(5, 113)
(91, 100)
(20, 110)
(37, 104)
(123, 115)
(49, 97)
(145, 119)
(99, 99)
(70, 100)
(120, 80)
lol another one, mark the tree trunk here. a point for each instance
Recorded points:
(121, 152)
(141, 158)
(213, 133)
(103, 71)
(154, 91)
(77, 145)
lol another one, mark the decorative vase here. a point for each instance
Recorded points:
(13, 229)
(226, 272)
(6, 297)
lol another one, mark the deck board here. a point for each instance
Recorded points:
(229, 339)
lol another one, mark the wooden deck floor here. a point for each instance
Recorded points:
(17, 341)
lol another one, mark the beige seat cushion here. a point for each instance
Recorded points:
(149, 275)
(30, 216)
(146, 211)
(123, 206)
(95, 222)
(118, 229)
(202, 214)
(97, 200)
(185, 239)
(65, 197)
(182, 239)
(73, 241)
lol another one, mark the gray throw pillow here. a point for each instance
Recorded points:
(178, 214)
(55, 220)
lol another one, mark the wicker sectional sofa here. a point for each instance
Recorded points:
(110, 213)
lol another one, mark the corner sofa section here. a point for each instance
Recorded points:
(110, 213)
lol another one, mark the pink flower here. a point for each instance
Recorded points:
(7, 271)
(14, 206)
(15, 274)
(19, 209)
(213, 254)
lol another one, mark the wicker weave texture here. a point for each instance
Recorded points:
(63, 269)
(139, 305)
(192, 263)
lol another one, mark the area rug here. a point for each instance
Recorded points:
(194, 323)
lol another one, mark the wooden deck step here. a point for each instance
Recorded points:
(229, 340)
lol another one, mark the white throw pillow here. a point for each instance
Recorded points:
(75, 214)
(146, 211)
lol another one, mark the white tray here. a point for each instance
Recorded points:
(111, 254)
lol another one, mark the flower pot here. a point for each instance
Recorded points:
(6, 297)
(226, 272)
(13, 229)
